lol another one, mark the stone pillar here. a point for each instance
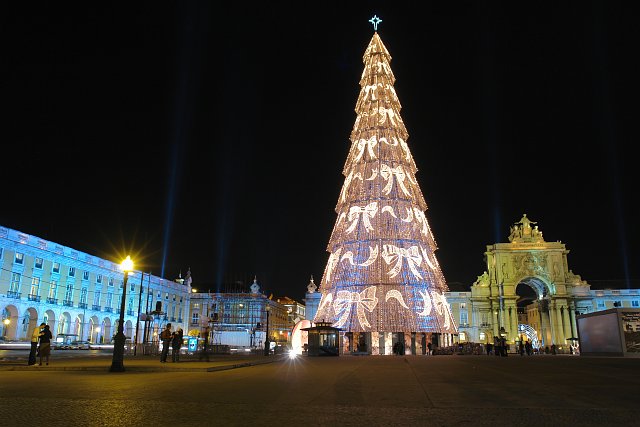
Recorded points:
(572, 317)
(567, 323)
(513, 328)
(560, 336)
(553, 324)
(388, 343)
(375, 342)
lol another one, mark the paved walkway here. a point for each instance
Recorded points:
(102, 362)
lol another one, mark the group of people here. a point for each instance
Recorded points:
(525, 348)
(40, 344)
(171, 340)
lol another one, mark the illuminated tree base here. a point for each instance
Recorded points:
(392, 343)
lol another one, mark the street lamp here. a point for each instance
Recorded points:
(267, 344)
(97, 331)
(117, 364)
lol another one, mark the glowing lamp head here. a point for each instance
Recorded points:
(6, 321)
(292, 354)
(127, 264)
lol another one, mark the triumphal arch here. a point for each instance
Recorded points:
(528, 260)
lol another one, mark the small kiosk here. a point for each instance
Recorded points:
(323, 340)
(613, 332)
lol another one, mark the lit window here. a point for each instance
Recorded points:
(53, 288)
(195, 317)
(463, 318)
(38, 263)
(15, 282)
(463, 336)
(482, 336)
(19, 258)
(35, 286)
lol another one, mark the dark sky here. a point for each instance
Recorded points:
(213, 137)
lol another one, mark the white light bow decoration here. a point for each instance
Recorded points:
(368, 212)
(365, 300)
(326, 300)
(384, 113)
(426, 309)
(388, 173)
(369, 144)
(425, 255)
(347, 183)
(441, 307)
(331, 264)
(390, 210)
(394, 293)
(419, 216)
(392, 253)
(370, 92)
(373, 256)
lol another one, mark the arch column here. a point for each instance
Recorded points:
(566, 323)
(572, 317)
(560, 336)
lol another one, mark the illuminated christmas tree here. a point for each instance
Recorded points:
(382, 276)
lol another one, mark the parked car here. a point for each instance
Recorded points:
(79, 345)
(63, 341)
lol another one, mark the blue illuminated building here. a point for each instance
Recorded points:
(79, 294)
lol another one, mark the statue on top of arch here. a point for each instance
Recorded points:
(523, 232)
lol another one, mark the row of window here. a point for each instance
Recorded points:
(55, 267)
(603, 304)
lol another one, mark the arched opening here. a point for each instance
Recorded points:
(106, 330)
(9, 322)
(64, 323)
(94, 329)
(30, 322)
(532, 295)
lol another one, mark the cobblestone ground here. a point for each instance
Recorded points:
(345, 391)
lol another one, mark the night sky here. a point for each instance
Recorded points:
(213, 137)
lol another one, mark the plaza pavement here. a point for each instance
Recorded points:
(239, 390)
(139, 363)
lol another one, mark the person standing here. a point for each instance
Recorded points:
(35, 337)
(205, 344)
(429, 349)
(176, 343)
(45, 344)
(165, 337)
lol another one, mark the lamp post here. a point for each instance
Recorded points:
(267, 344)
(97, 331)
(117, 364)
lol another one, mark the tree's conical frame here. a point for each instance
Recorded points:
(382, 274)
